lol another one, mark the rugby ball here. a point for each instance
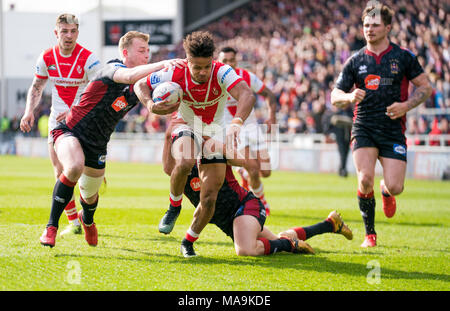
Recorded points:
(168, 91)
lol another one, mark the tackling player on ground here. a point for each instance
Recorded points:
(381, 72)
(241, 216)
(69, 67)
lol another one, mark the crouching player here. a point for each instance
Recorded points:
(81, 140)
(241, 216)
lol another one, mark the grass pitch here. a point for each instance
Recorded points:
(412, 254)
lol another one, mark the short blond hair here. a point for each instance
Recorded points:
(126, 39)
(67, 18)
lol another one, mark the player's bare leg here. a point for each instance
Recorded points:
(184, 152)
(167, 158)
(71, 156)
(249, 240)
(74, 226)
(256, 168)
(365, 160)
(211, 176)
(394, 172)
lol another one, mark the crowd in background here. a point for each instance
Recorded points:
(298, 47)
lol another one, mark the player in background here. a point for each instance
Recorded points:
(253, 144)
(241, 216)
(381, 72)
(69, 67)
(81, 140)
(198, 129)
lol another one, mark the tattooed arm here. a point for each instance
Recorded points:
(419, 96)
(33, 98)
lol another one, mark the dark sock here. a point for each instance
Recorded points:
(88, 211)
(319, 228)
(174, 208)
(280, 245)
(62, 195)
(367, 207)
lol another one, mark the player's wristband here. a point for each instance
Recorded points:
(237, 121)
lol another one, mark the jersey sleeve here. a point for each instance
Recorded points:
(41, 68)
(346, 78)
(110, 69)
(157, 77)
(256, 83)
(413, 67)
(227, 77)
(92, 66)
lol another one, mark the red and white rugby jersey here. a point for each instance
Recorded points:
(69, 74)
(255, 84)
(202, 103)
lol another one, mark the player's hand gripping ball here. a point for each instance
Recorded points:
(168, 92)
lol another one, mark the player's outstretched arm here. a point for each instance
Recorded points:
(143, 93)
(33, 99)
(132, 75)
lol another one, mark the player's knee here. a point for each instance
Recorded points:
(243, 251)
(266, 173)
(168, 167)
(366, 181)
(74, 170)
(252, 168)
(395, 189)
(183, 167)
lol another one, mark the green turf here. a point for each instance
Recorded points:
(413, 251)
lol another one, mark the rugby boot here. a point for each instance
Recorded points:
(90, 231)
(370, 241)
(389, 204)
(71, 229)
(299, 246)
(339, 226)
(187, 249)
(168, 221)
(48, 236)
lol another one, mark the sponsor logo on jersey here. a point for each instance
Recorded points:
(362, 69)
(101, 159)
(79, 69)
(119, 104)
(51, 67)
(400, 149)
(155, 78)
(372, 82)
(195, 184)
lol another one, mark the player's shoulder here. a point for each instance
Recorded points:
(403, 51)
(356, 57)
(47, 53)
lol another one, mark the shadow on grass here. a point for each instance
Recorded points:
(280, 261)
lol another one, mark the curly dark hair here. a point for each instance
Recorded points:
(199, 44)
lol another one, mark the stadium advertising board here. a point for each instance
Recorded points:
(160, 30)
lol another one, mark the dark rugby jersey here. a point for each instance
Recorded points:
(102, 104)
(230, 198)
(385, 78)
